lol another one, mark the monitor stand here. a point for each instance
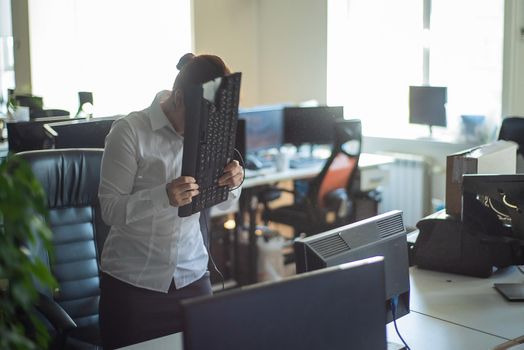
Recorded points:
(511, 291)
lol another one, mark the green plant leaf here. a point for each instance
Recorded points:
(23, 218)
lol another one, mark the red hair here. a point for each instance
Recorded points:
(198, 69)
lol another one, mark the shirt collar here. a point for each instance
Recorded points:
(156, 114)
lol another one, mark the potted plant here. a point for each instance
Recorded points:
(22, 223)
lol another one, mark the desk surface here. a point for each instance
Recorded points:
(267, 176)
(423, 332)
(469, 301)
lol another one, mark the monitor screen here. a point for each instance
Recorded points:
(311, 125)
(88, 133)
(427, 105)
(336, 308)
(28, 136)
(381, 235)
(264, 127)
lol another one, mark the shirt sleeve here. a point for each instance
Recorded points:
(119, 167)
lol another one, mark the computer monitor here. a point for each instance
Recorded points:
(28, 136)
(311, 125)
(383, 235)
(240, 139)
(493, 209)
(84, 133)
(427, 105)
(264, 127)
(336, 308)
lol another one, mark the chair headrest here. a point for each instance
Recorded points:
(69, 177)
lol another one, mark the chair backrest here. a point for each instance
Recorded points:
(70, 179)
(512, 129)
(339, 170)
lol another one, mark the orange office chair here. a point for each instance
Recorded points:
(327, 203)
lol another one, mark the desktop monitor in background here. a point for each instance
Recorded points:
(311, 125)
(84, 133)
(336, 308)
(264, 128)
(381, 235)
(28, 136)
(427, 105)
(240, 139)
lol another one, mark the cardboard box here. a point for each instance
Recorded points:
(499, 157)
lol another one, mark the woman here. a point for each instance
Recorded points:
(152, 258)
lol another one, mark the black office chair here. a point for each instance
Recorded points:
(70, 178)
(512, 129)
(328, 200)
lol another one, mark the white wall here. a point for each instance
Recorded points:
(279, 45)
(228, 28)
(293, 50)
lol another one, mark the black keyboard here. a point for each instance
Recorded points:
(300, 163)
(209, 138)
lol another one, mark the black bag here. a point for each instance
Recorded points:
(447, 244)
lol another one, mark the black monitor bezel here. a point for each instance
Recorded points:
(246, 113)
(420, 112)
(318, 122)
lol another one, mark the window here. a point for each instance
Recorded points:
(122, 51)
(376, 51)
(7, 73)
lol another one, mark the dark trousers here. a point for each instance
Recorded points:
(130, 315)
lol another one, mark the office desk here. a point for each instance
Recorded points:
(423, 332)
(370, 166)
(468, 301)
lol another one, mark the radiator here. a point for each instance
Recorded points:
(408, 188)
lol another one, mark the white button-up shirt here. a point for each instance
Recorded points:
(148, 244)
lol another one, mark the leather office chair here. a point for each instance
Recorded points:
(329, 194)
(70, 178)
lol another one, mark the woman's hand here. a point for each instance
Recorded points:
(181, 191)
(233, 175)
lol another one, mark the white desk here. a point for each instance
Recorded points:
(422, 332)
(469, 301)
(370, 165)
